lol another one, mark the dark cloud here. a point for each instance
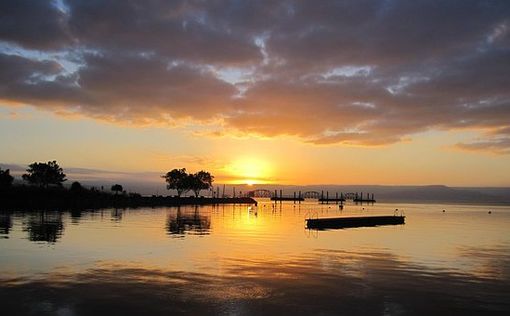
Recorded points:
(38, 82)
(365, 73)
(33, 24)
(119, 88)
(382, 32)
(136, 87)
(16, 69)
(174, 29)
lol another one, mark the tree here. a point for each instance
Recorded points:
(199, 181)
(76, 186)
(117, 188)
(44, 174)
(5, 178)
(177, 179)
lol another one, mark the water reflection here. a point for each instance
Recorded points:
(320, 282)
(257, 260)
(76, 216)
(116, 214)
(183, 222)
(44, 226)
(5, 223)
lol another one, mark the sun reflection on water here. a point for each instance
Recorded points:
(230, 254)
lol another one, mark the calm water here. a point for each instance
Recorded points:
(233, 260)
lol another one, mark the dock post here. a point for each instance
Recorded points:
(294, 197)
(336, 197)
(281, 196)
(322, 196)
(299, 197)
(327, 197)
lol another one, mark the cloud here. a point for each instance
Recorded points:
(330, 72)
(33, 24)
(19, 70)
(497, 146)
(176, 30)
(496, 141)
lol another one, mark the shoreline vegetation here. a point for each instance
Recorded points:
(46, 191)
(24, 198)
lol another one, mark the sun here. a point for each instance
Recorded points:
(249, 171)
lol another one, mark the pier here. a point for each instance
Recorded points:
(294, 198)
(360, 199)
(322, 197)
(326, 199)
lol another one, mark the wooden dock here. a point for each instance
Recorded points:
(349, 222)
(323, 197)
(326, 199)
(280, 198)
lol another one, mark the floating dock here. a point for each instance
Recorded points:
(349, 222)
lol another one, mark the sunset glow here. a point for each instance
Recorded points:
(249, 171)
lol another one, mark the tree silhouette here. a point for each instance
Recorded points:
(199, 181)
(76, 186)
(177, 179)
(44, 174)
(5, 178)
(180, 180)
(117, 188)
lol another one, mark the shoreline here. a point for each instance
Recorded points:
(31, 198)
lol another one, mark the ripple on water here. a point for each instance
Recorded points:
(229, 260)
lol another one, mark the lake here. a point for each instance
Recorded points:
(233, 260)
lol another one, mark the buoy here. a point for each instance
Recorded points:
(490, 212)
(444, 211)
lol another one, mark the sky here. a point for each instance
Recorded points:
(291, 92)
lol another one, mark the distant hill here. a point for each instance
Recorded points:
(426, 193)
